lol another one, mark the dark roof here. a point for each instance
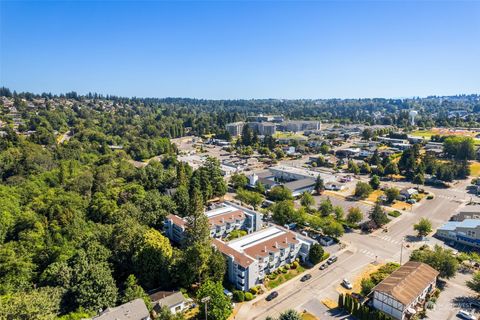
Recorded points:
(299, 184)
(408, 282)
(133, 310)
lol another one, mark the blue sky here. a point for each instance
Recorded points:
(244, 49)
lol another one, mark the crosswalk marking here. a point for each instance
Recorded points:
(367, 253)
(389, 239)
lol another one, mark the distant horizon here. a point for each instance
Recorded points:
(226, 50)
(213, 99)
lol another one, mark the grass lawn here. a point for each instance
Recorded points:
(191, 313)
(400, 205)
(290, 135)
(283, 277)
(308, 316)
(374, 195)
(475, 169)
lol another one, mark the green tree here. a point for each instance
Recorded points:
(182, 200)
(392, 194)
(260, 188)
(333, 228)
(339, 214)
(307, 200)
(419, 179)
(219, 305)
(92, 286)
(353, 167)
(367, 285)
(152, 260)
(375, 182)
(238, 180)
(283, 212)
(354, 215)
(439, 258)
(316, 253)
(36, 304)
(290, 315)
(474, 283)
(378, 215)
(319, 185)
(249, 197)
(362, 190)
(279, 193)
(423, 227)
(132, 290)
(326, 207)
(196, 255)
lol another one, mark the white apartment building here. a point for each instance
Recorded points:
(252, 257)
(223, 219)
(235, 128)
(399, 294)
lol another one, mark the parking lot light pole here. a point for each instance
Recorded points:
(206, 300)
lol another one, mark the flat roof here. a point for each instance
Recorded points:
(257, 237)
(467, 223)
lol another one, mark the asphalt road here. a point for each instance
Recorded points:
(361, 251)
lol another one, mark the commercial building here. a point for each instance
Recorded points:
(267, 118)
(251, 258)
(235, 128)
(470, 212)
(465, 232)
(223, 219)
(297, 187)
(405, 289)
(299, 125)
(133, 310)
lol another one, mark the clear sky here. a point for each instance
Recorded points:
(242, 49)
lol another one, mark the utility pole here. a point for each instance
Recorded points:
(206, 300)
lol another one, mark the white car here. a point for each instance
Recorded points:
(347, 284)
(466, 315)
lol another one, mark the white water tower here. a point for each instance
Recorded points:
(411, 116)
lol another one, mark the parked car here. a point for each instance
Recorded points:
(466, 315)
(306, 277)
(323, 266)
(411, 201)
(332, 259)
(326, 241)
(272, 296)
(347, 284)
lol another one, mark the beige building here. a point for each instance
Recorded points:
(405, 289)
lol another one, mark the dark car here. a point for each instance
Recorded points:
(306, 277)
(272, 296)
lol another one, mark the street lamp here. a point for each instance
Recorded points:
(206, 300)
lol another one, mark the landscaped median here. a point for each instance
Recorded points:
(283, 274)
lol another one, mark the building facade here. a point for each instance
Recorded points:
(405, 289)
(251, 258)
(223, 219)
(235, 128)
(466, 232)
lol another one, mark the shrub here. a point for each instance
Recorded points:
(287, 266)
(284, 270)
(295, 265)
(430, 197)
(395, 214)
(248, 296)
(238, 296)
(254, 290)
